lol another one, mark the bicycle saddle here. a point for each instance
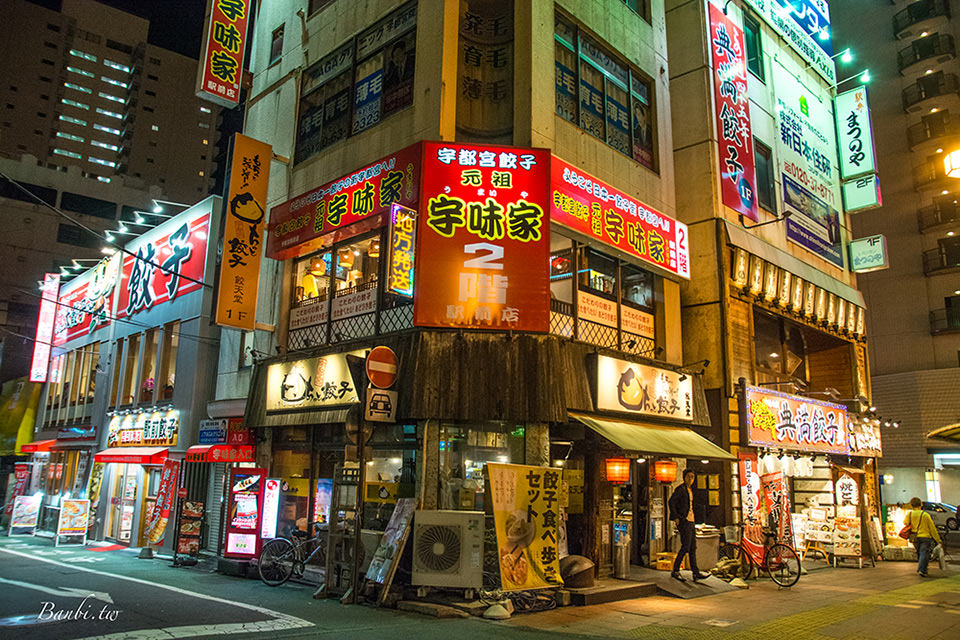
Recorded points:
(296, 533)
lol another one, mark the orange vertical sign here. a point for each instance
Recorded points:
(243, 233)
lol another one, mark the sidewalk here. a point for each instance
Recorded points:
(887, 602)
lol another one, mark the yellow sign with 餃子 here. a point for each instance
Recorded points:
(243, 233)
(526, 512)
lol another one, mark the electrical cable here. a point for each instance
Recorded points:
(98, 235)
(140, 325)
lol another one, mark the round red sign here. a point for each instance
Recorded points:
(182, 492)
(382, 367)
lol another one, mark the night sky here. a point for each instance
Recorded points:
(174, 24)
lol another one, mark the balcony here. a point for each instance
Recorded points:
(919, 17)
(940, 260)
(932, 130)
(940, 91)
(943, 211)
(944, 321)
(925, 52)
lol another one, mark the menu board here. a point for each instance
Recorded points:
(244, 502)
(26, 513)
(191, 521)
(846, 537)
(74, 520)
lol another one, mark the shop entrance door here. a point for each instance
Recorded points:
(640, 543)
(123, 502)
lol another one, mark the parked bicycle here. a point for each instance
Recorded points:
(282, 558)
(780, 561)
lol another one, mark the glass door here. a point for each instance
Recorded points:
(123, 504)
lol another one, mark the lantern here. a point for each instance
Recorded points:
(665, 470)
(951, 164)
(618, 470)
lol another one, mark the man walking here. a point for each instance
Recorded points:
(681, 512)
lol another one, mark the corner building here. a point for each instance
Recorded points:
(772, 302)
(537, 321)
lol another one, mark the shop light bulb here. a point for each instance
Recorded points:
(641, 460)
(395, 460)
(558, 463)
(704, 461)
(501, 458)
(369, 463)
(847, 57)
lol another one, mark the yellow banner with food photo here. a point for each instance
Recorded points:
(526, 512)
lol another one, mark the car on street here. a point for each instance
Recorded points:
(944, 515)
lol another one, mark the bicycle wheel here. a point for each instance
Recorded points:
(276, 562)
(735, 561)
(783, 565)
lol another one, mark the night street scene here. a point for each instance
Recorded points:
(277, 359)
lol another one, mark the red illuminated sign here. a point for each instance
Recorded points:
(48, 310)
(167, 262)
(244, 510)
(582, 203)
(221, 64)
(363, 195)
(484, 238)
(738, 176)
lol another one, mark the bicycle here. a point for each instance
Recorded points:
(281, 558)
(779, 560)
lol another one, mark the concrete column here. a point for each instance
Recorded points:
(537, 444)
(428, 471)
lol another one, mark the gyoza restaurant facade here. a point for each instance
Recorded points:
(511, 286)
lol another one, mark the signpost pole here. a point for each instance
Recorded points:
(358, 372)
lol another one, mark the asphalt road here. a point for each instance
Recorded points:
(72, 593)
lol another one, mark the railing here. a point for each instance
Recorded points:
(925, 48)
(563, 322)
(945, 321)
(943, 211)
(939, 259)
(930, 130)
(947, 84)
(918, 12)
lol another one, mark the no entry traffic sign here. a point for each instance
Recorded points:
(382, 367)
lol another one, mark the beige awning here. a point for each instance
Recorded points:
(742, 238)
(950, 432)
(648, 438)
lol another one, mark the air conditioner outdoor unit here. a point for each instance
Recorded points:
(448, 549)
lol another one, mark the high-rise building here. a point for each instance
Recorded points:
(914, 306)
(83, 87)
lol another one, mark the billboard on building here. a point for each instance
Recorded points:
(854, 133)
(593, 208)
(806, 155)
(483, 225)
(303, 224)
(738, 175)
(794, 21)
(243, 233)
(221, 61)
(164, 263)
(86, 304)
(45, 320)
(781, 421)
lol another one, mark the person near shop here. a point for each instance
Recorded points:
(681, 512)
(927, 536)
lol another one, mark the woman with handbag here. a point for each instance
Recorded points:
(920, 530)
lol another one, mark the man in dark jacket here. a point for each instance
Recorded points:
(681, 512)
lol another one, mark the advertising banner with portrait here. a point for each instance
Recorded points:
(776, 500)
(781, 421)
(483, 225)
(85, 303)
(362, 195)
(45, 321)
(526, 513)
(738, 175)
(806, 152)
(593, 208)
(21, 472)
(243, 233)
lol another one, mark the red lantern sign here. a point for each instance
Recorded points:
(665, 470)
(618, 470)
